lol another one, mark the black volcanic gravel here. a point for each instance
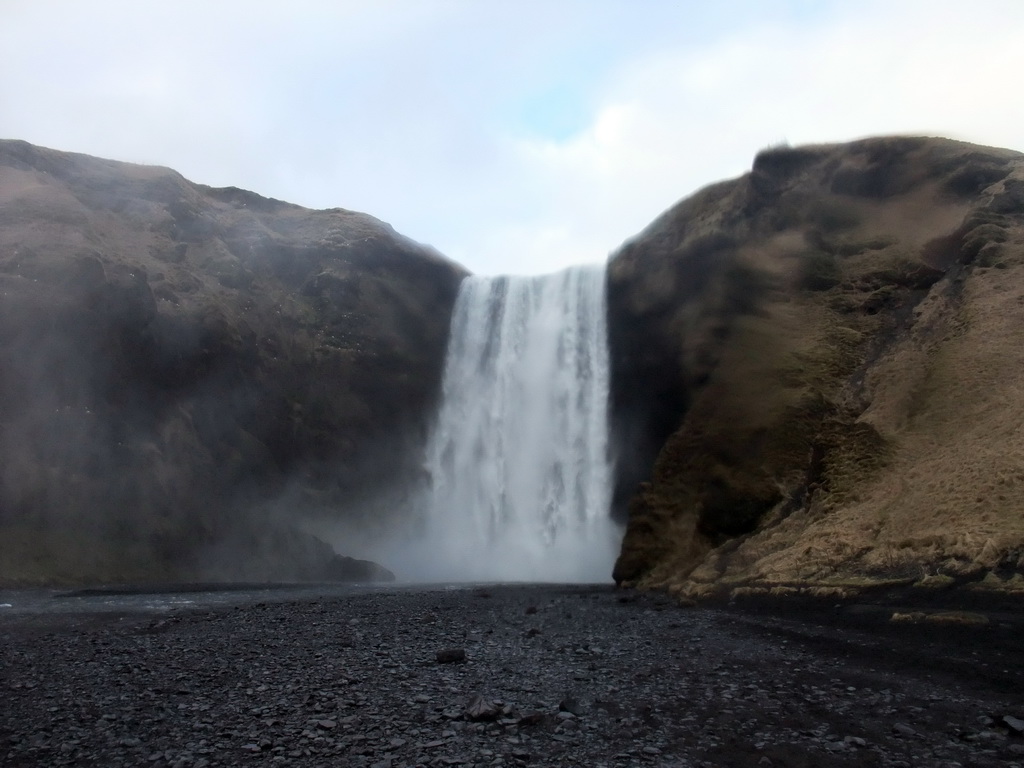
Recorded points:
(552, 676)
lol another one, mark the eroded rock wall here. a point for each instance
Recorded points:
(822, 362)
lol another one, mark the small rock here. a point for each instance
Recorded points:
(531, 718)
(326, 724)
(904, 730)
(1015, 724)
(480, 709)
(570, 704)
(451, 656)
(651, 751)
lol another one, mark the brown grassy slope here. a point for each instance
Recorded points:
(176, 358)
(844, 332)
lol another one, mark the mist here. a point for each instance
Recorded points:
(177, 358)
(517, 474)
(207, 384)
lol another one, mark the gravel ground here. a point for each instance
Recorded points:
(550, 676)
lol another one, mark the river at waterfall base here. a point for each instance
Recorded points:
(519, 467)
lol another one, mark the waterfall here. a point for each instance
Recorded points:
(519, 466)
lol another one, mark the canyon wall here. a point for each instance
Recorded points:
(187, 371)
(817, 373)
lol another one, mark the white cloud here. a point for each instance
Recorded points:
(431, 115)
(678, 120)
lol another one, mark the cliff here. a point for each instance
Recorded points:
(187, 371)
(822, 362)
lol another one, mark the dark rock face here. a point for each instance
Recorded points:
(177, 357)
(789, 347)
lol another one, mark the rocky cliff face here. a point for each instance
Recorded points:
(822, 361)
(186, 370)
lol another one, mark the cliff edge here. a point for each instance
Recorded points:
(188, 370)
(822, 361)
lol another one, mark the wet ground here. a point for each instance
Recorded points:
(538, 675)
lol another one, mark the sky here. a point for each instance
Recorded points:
(514, 136)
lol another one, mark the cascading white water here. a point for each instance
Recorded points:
(519, 465)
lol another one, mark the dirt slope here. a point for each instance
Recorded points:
(823, 362)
